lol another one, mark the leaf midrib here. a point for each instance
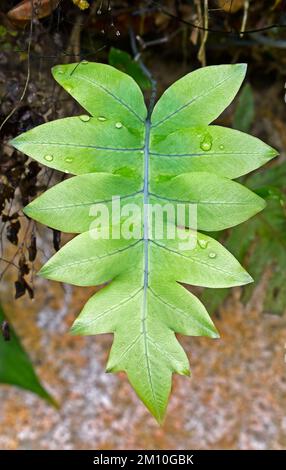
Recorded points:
(202, 154)
(193, 201)
(146, 254)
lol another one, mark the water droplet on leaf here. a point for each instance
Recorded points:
(212, 255)
(206, 143)
(203, 243)
(206, 146)
(48, 158)
(221, 147)
(84, 62)
(84, 118)
(118, 125)
(101, 118)
(68, 160)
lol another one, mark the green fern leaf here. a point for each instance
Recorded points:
(173, 156)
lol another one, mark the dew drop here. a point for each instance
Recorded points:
(203, 243)
(84, 62)
(101, 118)
(118, 125)
(206, 146)
(221, 147)
(206, 143)
(60, 71)
(212, 255)
(48, 158)
(68, 160)
(84, 118)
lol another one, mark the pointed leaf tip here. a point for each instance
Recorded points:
(247, 279)
(27, 210)
(17, 143)
(243, 66)
(75, 328)
(273, 152)
(44, 271)
(186, 372)
(262, 204)
(215, 334)
(241, 69)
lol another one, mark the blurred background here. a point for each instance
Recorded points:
(54, 392)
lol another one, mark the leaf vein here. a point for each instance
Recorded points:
(98, 257)
(207, 154)
(115, 307)
(189, 201)
(196, 260)
(67, 206)
(66, 144)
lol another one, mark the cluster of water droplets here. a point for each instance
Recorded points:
(49, 158)
(203, 244)
(108, 10)
(118, 124)
(84, 118)
(206, 143)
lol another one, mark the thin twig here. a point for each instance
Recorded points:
(202, 51)
(244, 19)
(158, 41)
(73, 48)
